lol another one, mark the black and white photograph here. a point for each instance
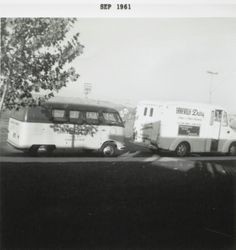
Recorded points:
(118, 125)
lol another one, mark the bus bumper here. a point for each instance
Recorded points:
(12, 144)
(120, 146)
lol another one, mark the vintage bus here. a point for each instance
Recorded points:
(64, 125)
(184, 128)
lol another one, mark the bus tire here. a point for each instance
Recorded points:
(109, 149)
(50, 149)
(33, 150)
(232, 149)
(182, 150)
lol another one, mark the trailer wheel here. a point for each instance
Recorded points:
(232, 149)
(109, 149)
(182, 149)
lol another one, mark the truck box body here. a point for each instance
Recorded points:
(165, 125)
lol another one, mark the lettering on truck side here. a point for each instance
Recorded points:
(188, 111)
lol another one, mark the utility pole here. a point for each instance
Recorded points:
(87, 89)
(212, 74)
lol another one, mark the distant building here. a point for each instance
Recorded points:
(232, 117)
(124, 112)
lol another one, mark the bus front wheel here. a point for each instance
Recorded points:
(109, 150)
(182, 149)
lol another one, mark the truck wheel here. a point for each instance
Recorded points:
(232, 149)
(182, 149)
(155, 151)
(109, 150)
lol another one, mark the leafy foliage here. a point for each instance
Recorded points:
(35, 56)
(83, 129)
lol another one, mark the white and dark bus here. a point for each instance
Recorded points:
(64, 125)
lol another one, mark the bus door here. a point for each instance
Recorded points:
(215, 129)
(111, 128)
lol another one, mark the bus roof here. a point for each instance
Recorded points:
(82, 107)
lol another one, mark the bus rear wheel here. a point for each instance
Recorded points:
(232, 149)
(35, 149)
(182, 149)
(109, 150)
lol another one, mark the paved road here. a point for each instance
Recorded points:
(126, 158)
(137, 199)
(9, 154)
(118, 204)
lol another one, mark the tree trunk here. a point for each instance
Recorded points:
(3, 97)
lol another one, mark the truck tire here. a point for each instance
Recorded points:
(182, 150)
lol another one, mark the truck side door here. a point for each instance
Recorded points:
(225, 132)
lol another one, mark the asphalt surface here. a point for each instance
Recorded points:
(133, 153)
(80, 200)
(118, 205)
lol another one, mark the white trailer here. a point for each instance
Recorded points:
(184, 127)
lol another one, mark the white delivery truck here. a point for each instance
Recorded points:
(184, 127)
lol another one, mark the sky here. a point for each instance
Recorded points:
(132, 59)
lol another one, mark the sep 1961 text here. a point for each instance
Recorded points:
(120, 6)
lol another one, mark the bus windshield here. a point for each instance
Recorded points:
(111, 118)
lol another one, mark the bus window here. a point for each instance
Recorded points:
(145, 111)
(225, 120)
(74, 116)
(59, 115)
(151, 112)
(18, 114)
(91, 117)
(38, 114)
